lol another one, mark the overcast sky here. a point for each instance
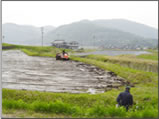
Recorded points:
(55, 13)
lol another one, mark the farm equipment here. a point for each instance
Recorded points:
(62, 56)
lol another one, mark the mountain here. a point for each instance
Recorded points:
(48, 28)
(23, 34)
(115, 33)
(129, 26)
(88, 33)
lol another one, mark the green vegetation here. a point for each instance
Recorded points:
(148, 56)
(153, 56)
(131, 62)
(81, 105)
(48, 104)
(46, 51)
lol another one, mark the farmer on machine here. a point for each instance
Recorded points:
(125, 98)
(63, 52)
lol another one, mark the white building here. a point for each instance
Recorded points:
(66, 45)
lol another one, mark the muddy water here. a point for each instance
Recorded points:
(20, 71)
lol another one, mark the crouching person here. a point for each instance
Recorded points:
(125, 98)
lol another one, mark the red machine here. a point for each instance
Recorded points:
(61, 56)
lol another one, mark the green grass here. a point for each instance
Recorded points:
(6, 44)
(153, 56)
(47, 104)
(45, 51)
(131, 62)
(82, 105)
(57, 107)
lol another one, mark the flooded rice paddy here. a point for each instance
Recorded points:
(20, 71)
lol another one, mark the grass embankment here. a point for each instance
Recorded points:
(130, 61)
(152, 56)
(47, 104)
(80, 105)
(45, 51)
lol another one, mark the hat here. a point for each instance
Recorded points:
(127, 87)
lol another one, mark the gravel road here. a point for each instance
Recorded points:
(20, 71)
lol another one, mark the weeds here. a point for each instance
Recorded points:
(153, 56)
(132, 62)
(57, 107)
(45, 51)
(13, 104)
(82, 105)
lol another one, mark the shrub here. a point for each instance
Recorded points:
(12, 104)
(116, 112)
(40, 106)
(97, 111)
(149, 112)
(57, 107)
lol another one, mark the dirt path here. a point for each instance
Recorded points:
(20, 71)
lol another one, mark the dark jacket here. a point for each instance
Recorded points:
(63, 52)
(125, 98)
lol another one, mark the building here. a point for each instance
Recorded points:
(66, 45)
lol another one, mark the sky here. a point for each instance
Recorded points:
(56, 13)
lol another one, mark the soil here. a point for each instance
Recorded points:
(20, 71)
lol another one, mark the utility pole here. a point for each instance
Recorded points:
(42, 33)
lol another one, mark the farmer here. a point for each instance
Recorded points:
(125, 98)
(63, 52)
